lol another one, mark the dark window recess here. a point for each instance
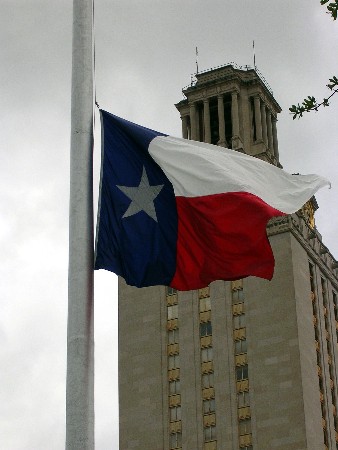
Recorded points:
(242, 373)
(171, 291)
(200, 115)
(214, 121)
(205, 329)
(253, 126)
(189, 127)
(227, 120)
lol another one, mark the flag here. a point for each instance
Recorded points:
(183, 213)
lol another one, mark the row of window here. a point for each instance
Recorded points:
(207, 379)
(175, 437)
(209, 431)
(329, 348)
(205, 305)
(241, 369)
(318, 348)
(206, 353)
(334, 399)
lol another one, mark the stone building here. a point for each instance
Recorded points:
(248, 364)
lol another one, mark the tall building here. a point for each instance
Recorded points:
(249, 364)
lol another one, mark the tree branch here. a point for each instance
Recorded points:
(332, 8)
(311, 104)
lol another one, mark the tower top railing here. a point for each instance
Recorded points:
(235, 66)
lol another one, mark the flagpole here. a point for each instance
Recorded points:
(80, 339)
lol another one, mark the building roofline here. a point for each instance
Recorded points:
(198, 82)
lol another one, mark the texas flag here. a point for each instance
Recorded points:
(183, 213)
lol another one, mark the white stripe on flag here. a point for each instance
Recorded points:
(196, 169)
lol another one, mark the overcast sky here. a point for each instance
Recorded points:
(145, 54)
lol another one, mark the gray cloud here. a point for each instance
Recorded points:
(145, 53)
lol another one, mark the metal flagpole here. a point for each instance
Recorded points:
(80, 340)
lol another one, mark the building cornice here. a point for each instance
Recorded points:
(310, 239)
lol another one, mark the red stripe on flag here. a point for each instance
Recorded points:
(222, 237)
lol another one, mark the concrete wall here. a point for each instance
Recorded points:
(281, 353)
(142, 369)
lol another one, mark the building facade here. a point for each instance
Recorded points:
(249, 364)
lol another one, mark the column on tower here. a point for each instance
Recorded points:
(274, 136)
(264, 126)
(236, 141)
(185, 133)
(270, 135)
(199, 114)
(258, 118)
(221, 122)
(206, 118)
(193, 121)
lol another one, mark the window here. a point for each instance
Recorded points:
(326, 441)
(175, 440)
(244, 427)
(206, 354)
(207, 380)
(237, 296)
(175, 413)
(241, 346)
(210, 433)
(172, 312)
(173, 336)
(239, 321)
(253, 123)
(214, 127)
(174, 387)
(323, 284)
(228, 120)
(335, 419)
(243, 399)
(331, 372)
(242, 373)
(334, 298)
(171, 291)
(205, 329)
(312, 281)
(174, 361)
(209, 406)
(205, 304)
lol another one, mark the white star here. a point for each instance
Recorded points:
(142, 197)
